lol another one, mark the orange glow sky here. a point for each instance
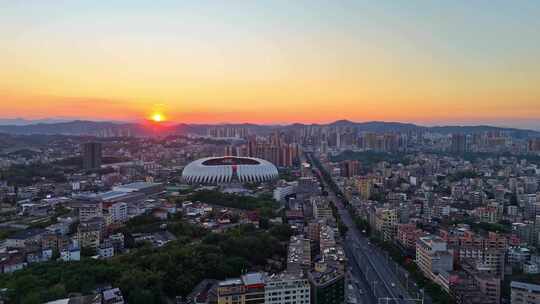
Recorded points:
(278, 62)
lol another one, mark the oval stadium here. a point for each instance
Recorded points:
(229, 169)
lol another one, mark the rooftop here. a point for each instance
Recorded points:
(112, 294)
(112, 195)
(253, 278)
(527, 286)
(230, 160)
(28, 233)
(136, 186)
(230, 282)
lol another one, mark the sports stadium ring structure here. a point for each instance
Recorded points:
(227, 169)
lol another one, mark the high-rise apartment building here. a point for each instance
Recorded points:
(248, 289)
(327, 283)
(89, 210)
(459, 143)
(386, 221)
(321, 207)
(350, 168)
(91, 155)
(118, 212)
(432, 256)
(364, 185)
(287, 288)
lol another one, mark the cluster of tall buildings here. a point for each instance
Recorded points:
(326, 138)
(275, 148)
(470, 225)
(228, 132)
(493, 141)
(459, 143)
(386, 142)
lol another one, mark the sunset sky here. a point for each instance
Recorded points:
(428, 62)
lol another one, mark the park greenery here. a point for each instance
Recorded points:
(154, 275)
(462, 175)
(264, 204)
(501, 226)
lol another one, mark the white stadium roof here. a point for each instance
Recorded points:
(226, 169)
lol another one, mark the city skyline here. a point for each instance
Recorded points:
(270, 152)
(273, 63)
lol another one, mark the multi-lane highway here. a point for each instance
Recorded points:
(368, 264)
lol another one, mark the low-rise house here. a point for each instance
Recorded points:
(73, 253)
(113, 296)
(204, 293)
(61, 228)
(12, 261)
(105, 251)
(116, 241)
(521, 292)
(27, 237)
(37, 255)
(90, 232)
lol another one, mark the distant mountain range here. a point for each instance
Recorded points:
(104, 128)
(25, 122)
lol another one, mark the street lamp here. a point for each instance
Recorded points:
(407, 280)
(373, 288)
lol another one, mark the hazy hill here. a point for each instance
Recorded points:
(80, 127)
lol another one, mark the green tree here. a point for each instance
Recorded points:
(55, 292)
(31, 298)
(55, 254)
(142, 296)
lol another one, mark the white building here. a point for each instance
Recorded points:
(73, 253)
(321, 207)
(25, 238)
(113, 296)
(531, 268)
(227, 169)
(105, 251)
(283, 191)
(433, 257)
(89, 210)
(287, 288)
(119, 212)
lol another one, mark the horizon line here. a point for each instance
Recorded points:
(55, 120)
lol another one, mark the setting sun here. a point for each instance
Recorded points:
(158, 117)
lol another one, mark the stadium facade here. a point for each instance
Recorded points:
(229, 169)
